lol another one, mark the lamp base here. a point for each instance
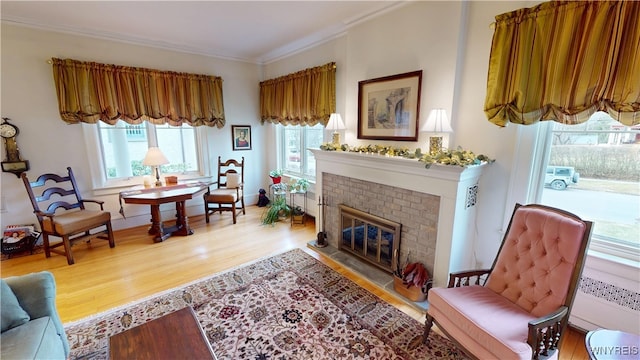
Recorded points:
(158, 182)
(335, 139)
(435, 145)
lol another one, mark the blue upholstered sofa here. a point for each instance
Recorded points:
(31, 327)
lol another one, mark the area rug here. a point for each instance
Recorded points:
(289, 306)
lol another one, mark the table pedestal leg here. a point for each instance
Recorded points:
(182, 222)
(157, 228)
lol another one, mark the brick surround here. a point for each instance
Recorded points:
(416, 211)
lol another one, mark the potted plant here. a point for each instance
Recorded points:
(299, 185)
(278, 207)
(412, 281)
(276, 176)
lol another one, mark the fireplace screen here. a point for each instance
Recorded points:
(369, 237)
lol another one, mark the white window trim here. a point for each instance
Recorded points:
(102, 186)
(531, 156)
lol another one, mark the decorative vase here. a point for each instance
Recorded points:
(412, 293)
(276, 180)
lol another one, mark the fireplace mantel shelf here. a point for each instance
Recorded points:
(400, 164)
(456, 186)
(441, 180)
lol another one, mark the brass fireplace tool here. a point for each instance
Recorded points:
(321, 240)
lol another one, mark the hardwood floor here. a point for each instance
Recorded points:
(103, 278)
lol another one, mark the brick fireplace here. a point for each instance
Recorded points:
(435, 206)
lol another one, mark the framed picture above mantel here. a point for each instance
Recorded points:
(389, 107)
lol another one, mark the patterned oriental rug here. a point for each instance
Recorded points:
(289, 306)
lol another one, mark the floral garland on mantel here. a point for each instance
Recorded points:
(459, 156)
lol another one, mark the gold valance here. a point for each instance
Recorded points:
(565, 60)
(89, 91)
(306, 97)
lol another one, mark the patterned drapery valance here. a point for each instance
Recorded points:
(306, 97)
(89, 91)
(565, 60)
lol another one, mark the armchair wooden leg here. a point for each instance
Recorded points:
(233, 211)
(67, 250)
(428, 323)
(45, 243)
(112, 241)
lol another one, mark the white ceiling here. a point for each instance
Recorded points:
(253, 31)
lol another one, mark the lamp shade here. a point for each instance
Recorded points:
(437, 122)
(335, 122)
(154, 157)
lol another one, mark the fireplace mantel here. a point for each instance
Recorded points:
(456, 186)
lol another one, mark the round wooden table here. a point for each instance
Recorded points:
(603, 344)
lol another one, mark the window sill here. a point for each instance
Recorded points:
(115, 187)
(620, 253)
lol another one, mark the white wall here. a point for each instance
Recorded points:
(50, 145)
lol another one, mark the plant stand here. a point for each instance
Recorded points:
(298, 218)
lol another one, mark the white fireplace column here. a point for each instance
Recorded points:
(456, 186)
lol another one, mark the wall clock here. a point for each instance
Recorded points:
(13, 163)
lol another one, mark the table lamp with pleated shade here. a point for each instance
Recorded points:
(437, 123)
(335, 123)
(155, 158)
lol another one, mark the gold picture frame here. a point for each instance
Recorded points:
(389, 107)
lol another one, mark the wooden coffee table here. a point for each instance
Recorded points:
(174, 336)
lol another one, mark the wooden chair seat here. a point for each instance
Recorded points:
(75, 221)
(226, 196)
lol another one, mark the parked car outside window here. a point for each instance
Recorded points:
(559, 177)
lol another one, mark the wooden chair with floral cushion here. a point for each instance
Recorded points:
(229, 190)
(51, 193)
(520, 307)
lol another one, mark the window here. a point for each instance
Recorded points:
(120, 149)
(296, 160)
(593, 170)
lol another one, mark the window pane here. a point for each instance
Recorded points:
(123, 148)
(178, 144)
(293, 143)
(594, 172)
(313, 139)
(292, 146)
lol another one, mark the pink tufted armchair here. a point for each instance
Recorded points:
(520, 307)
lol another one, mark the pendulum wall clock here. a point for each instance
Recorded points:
(13, 163)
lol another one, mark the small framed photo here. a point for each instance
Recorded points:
(389, 107)
(241, 137)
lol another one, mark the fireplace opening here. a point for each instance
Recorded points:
(371, 238)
